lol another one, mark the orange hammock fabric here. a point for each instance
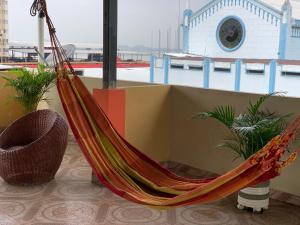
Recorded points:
(135, 177)
(129, 173)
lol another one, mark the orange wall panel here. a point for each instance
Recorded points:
(112, 101)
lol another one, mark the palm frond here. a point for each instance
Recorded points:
(253, 109)
(250, 131)
(224, 114)
(235, 144)
(31, 86)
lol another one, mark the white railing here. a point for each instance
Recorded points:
(245, 75)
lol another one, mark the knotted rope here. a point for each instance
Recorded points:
(62, 64)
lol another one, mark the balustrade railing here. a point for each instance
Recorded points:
(245, 75)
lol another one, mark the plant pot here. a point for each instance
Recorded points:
(254, 198)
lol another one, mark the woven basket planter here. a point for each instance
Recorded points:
(32, 148)
(255, 198)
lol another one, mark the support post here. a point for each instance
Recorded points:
(41, 37)
(285, 25)
(282, 40)
(238, 70)
(166, 68)
(206, 71)
(110, 31)
(272, 81)
(152, 68)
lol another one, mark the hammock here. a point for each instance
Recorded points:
(132, 175)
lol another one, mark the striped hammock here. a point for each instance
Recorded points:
(129, 173)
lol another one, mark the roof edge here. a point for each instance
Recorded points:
(213, 2)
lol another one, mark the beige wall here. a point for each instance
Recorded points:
(147, 123)
(153, 111)
(90, 83)
(148, 120)
(10, 109)
(194, 141)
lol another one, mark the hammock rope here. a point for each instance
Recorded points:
(62, 63)
(128, 172)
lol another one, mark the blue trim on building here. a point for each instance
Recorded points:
(272, 79)
(282, 40)
(206, 71)
(152, 67)
(166, 63)
(238, 70)
(186, 29)
(218, 31)
(297, 22)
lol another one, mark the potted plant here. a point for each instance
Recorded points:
(250, 132)
(31, 86)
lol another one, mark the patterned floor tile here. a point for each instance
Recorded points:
(7, 220)
(8, 191)
(71, 199)
(127, 213)
(77, 191)
(74, 212)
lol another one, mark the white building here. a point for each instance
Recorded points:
(3, 30)
(268, 29)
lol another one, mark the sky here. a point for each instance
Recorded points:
(80, 21)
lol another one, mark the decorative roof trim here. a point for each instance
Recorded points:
(295, 31)
(257, 7)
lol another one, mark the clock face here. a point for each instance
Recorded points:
(231, 33)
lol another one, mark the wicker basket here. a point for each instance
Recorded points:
(32, 148)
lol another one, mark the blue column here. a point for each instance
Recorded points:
(166, 69)
(238, 70)
(206, 71)
(272, 80)
(185, 47)
(282, 40)
(186, 30)
(152, 67)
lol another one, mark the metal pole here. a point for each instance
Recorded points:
(110, 30)
(41, 46)
(179, 26)
(152, 42)
(159, 43)
(152, 68)
(168, 39)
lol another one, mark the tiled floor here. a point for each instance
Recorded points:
(72, 199)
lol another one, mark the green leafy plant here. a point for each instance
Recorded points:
(249, 131)
(31, 85)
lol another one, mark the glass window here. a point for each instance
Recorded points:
(230, 33)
